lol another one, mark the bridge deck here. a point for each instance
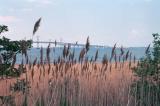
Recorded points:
(63, 43)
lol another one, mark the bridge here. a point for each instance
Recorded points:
(64, 43)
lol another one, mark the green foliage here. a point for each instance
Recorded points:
(3, 28)
(8, 49)
(146, 93)
(147, 88)
(149, 65)
(156, 49)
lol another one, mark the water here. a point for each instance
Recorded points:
(34, 53)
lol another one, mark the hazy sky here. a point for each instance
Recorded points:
(126, 22)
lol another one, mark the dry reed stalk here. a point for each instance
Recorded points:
(91, 60)
(115, 59)
(70, 56)
(34, 62)
(43, 70)
(38, 64)
(86, 59)
(53, 73)
(54, 62)
(110, 68)
(121, 56)
(95, 67)
(123, 61)
(130, 60)
(40, 74)
(105, 62)
(49, 68)
(30, 65)
(48, 58)
(32, 74)
(32, 71)
(73, 54)
(113, 52)
(82, 54)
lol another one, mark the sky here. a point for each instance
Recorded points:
(126, 22)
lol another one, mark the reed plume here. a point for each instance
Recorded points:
(134, 59)
(87, 44)
(36, 26)
(41, 56)
(34, 62)
(113, 52)
(73, 54)
(130, 60)
(105, 61)
(64, 51)
(48, 54)
(122, 51)
(96, 56)
(115, 59)
(147, 49)
(91, 60)
(68, 50)
(127, 54)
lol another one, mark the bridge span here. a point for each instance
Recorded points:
(64, 43)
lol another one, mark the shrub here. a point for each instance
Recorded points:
(147, 88)
(8, 51)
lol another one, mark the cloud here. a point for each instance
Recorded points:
(8, 19)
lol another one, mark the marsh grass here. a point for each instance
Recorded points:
(68, 83)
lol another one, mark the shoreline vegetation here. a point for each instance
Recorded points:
(70, 84)
(82, 82)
